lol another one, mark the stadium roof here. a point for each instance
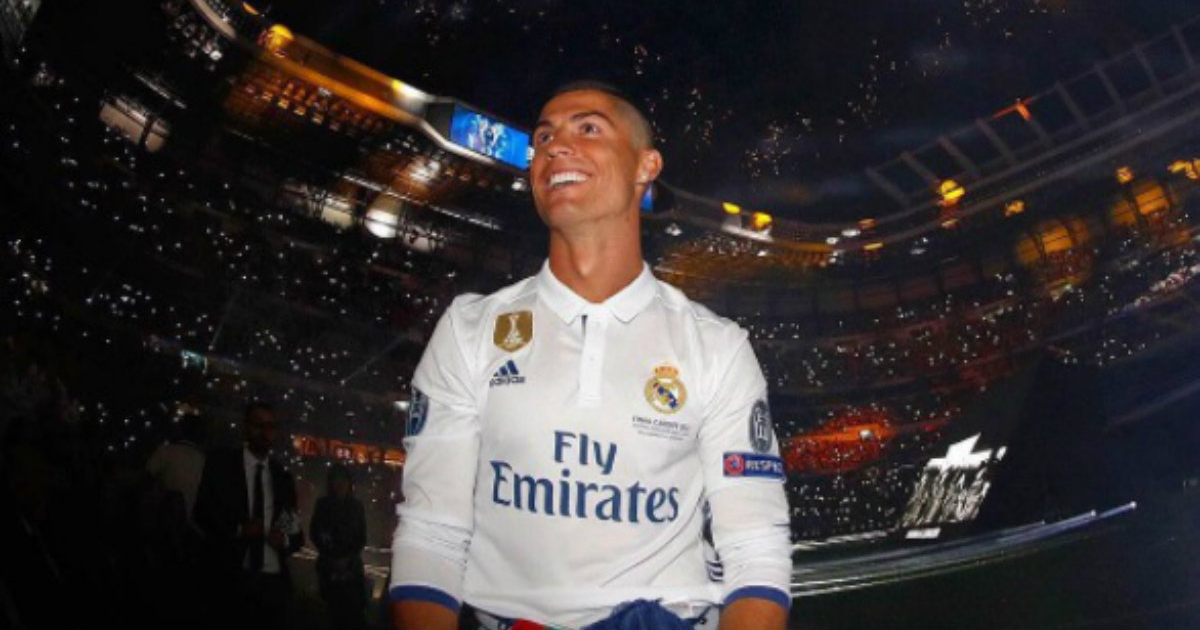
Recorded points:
(775, 107)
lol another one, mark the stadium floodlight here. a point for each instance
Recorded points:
(1124, 175)
(951, 191)
(276, 38)
(1189, 168)
(381, 223)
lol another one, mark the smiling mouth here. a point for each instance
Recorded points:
(566, 178)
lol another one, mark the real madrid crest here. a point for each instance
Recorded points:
(513, 330)
(664, 391)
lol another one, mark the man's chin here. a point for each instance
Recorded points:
(558, 211)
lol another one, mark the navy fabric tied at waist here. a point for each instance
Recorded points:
(638, 614)
(643, 614)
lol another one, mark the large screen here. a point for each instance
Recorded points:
(488, 136)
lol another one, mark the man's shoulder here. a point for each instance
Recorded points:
(226, 455)
(221, 463)
(707, 322)
(278, 466)
(476, 307)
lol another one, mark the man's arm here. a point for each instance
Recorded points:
(429, 548)
(752, 612)
(412, 613)
(743, 477)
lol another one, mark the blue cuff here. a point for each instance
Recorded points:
(769, 593)
(423, 594)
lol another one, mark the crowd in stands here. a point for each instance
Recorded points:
(147, 291)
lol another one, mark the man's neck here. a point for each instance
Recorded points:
(595, 268)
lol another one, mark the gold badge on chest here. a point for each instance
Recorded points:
(513, 330)
(664, 391)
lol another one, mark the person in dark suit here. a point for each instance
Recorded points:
(246, 506)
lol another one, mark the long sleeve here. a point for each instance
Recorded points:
(429, 548)
(744, 482)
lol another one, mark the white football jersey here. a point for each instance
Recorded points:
(561, 453)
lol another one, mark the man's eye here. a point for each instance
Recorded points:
(541, 138)
(589, 128)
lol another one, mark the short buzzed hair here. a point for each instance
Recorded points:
(643, 132)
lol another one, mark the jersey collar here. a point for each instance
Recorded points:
(625, 305)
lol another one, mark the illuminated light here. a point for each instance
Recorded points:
(382, 223)
(1023, 109)
(951, 191)
(866, 224)
(1020, 107)
(949, 223)
(1124, 175)
(276, 38)
(832, 240)
(406, 91)
(851, 232)
(1189, 168)
(1150, 199)
(761, 220)
(248, 8)
(871, 247)
(731, 208)
(1014, 207)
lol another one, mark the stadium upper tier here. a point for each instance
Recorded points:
(233, 231)
(1000, 175)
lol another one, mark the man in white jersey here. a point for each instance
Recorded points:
(570, 434)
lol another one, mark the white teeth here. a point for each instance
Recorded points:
(567, 177)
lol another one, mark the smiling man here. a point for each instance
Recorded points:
(587, 447)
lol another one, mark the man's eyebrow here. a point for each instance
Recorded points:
(578, 116)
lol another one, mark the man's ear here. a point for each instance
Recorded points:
(650, 164)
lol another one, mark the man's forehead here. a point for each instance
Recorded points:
(569, 104)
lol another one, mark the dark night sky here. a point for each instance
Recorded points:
(760, 102)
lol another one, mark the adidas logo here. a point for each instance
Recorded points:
(508, 374)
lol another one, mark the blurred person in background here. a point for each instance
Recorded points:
(339, 530)
(246, 506)
(176, 466)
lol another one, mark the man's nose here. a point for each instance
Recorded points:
(558, 146)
